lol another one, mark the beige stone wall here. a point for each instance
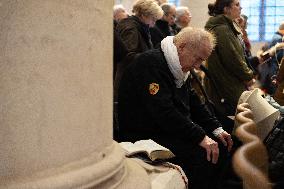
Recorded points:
(199, 11)
(55, 84)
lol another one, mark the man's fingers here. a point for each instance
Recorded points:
(230, 144)
(215, 154)
(208, 151)
(223, 141)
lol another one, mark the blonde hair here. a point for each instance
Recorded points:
(195, 38)
(147, 8)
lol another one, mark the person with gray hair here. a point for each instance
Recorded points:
(119, 13)
(183, 17)
(163, 27)
(156, 101)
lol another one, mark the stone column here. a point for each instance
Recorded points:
(56, 96)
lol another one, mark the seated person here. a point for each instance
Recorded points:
(156, 102)
(269, 70)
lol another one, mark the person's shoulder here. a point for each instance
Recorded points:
(129, 22)
(153, 54)
(219, 22)
(151, 58)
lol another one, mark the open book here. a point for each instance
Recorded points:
(153, 150)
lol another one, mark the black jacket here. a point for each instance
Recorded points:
(160, 31)
(275, 147)
(175, 118)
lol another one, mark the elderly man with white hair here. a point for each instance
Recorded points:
(183, 17)
(119, 13)
(156, 101)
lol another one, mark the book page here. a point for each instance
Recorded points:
(150, 146)
(131, 148)
(147, 147)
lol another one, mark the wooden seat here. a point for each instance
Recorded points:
(250, 161)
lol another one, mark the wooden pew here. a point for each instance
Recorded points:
(250, 161)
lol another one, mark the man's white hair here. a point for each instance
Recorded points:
(118, 8)
(195, 38)
(180, 11)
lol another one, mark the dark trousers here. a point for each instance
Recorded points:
(201, 173)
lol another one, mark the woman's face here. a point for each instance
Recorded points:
(234, 11)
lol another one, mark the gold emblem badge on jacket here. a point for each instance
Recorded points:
(153, 88)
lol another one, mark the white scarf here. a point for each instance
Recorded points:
(171, 55)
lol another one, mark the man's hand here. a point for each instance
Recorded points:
(226, 139)
(211, 148)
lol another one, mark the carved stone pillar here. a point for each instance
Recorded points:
(56, 97)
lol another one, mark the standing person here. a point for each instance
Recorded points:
(135, 35)
(163, 26)
(119, 13)
(229, 74)
(252, 61)
(156, 102)
(183, 18)
(134, 30)
(242, 21)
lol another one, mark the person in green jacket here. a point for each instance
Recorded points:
(228, 74)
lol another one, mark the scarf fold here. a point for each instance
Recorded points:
(171, 55)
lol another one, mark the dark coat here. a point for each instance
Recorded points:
(136, 37)
(135, 34)
(172, 117)
(160, 31)
(226, 65)
(119, 51)
(279, 95)
(275, 148)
